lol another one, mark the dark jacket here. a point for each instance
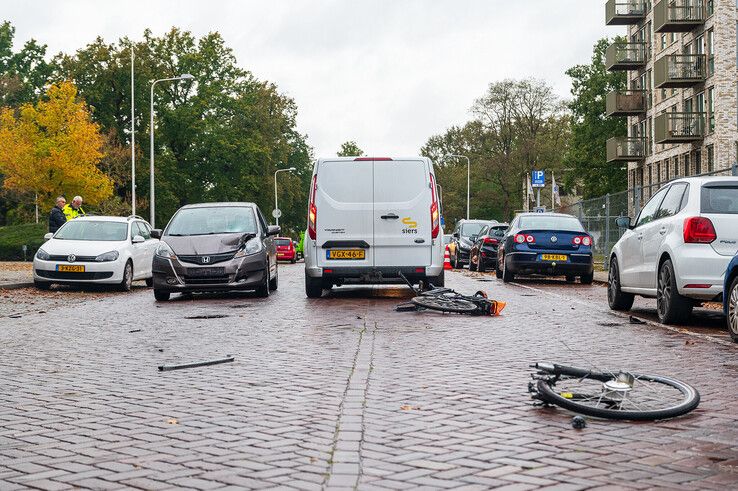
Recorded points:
(56, 219)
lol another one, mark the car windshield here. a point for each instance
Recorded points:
(93, 230)
(283, 242)
(564, 224)
(213, 220)
(469, 229)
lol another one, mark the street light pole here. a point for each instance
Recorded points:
(276, 205)
(152, 207)
(133, 139)
(468, 180)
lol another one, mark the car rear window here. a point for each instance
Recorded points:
(469, 229)
(398, 181)
(565, 224)
(347, 181)
(282, 242)
(720, 199)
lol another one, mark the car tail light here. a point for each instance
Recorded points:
(522, 238)
(420, 270)
(434, 212)
(490, 240)
(584, 240)
(699, 230)
(312, 210)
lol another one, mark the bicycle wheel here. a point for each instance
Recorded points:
(445, 304)
(615, 396)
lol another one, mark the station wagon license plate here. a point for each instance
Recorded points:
(67, 268)
(554, 257)
(349, 254)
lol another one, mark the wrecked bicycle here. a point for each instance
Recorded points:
(448, 300)
(612, 395)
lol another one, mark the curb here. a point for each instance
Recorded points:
(15, 286)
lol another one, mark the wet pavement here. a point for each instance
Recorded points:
(343, 392)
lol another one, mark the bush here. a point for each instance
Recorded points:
(14, 237)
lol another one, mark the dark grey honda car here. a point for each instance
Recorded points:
(216, 247)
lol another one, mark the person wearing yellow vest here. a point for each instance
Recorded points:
(74, 209)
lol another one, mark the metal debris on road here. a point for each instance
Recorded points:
(166, 368)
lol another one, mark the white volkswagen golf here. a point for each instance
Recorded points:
(107, 250)
(678, 248)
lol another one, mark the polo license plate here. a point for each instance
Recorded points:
(554, 257)
(70, 268)
(349, 254)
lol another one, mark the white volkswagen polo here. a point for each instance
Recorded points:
(107, 250)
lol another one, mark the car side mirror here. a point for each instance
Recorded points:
(456, 235)
(48, 236)
(274, 230)
(137, 239)
(156, 233)
(623, 222)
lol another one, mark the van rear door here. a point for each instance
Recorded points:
(719, 203)
(402, 222)
(344, 203)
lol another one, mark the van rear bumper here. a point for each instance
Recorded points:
(374, 275)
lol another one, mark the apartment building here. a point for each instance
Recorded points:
(682, 95)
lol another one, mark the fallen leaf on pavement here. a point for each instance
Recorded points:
(172, 421)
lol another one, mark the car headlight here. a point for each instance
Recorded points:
(252, 247)
(43, 255)
(163, 250)
(107, 257)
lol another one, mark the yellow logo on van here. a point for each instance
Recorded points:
(410, 222)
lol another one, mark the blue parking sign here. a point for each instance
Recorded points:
(538, 179)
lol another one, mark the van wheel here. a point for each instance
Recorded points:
(274, 282)
(313, 287)
(437, 281)
(150, 282)
(670, 305)
(615, 296)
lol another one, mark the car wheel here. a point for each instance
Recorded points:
(733, 310)
(498, 272)
(587, 279)
(41, 285)
(570, 278)
(294, 260)
(615, 296)
(150, 282)
(507, 275)
(127, 281)
(313, 287)
(263, 289)
(161, 295)
(274, 282)
(480, 266)
(670, 305)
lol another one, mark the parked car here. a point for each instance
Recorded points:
(730, 298)
(552, 244)
(216, 247)
(678, 248)
(462, 240)
(102, 249)
(483, 253)
(370, 219)
(286, 249)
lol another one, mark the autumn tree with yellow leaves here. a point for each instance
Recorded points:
(53, 147)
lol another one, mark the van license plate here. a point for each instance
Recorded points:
(77, 268)
(553, 257)
(345, 254)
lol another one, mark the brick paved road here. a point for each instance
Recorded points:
(343, 392)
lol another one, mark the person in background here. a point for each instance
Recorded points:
(74, 209)
(56, 217)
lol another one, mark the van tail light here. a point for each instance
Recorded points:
(434, 211)
(490, 240)
(523, 238)
(699, 230)
(584, 240)
(313, 211)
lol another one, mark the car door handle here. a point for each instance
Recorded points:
(391, 216)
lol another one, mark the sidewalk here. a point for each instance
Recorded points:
(15, 274)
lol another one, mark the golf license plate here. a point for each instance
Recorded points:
(70, 268)
(554, 257)
(349, 254)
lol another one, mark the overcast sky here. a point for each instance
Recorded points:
(386, 73)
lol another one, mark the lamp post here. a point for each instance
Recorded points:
(468, 179)
(276, 205)
(133, 138)
(152, 209)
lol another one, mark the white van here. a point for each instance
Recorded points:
(370, 219)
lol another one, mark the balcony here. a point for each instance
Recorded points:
(626, 102)
(679, 127)
(624, 149)
(678, 15)
(625, 56)
(674, 71)
(624, 12)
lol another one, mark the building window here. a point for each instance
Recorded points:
(698, 162)
(710, 7)
(711, 109)
(687, 170)
(663, 42)
(657, 177)
(710, 52)
(710, 158)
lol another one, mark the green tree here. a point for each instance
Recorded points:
(24, 73)
(350, 149)
(591, 128)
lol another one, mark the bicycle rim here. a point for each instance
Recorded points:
(445, 304)
(651, 397)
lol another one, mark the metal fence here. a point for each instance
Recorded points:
(598, 215)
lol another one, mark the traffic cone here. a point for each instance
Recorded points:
(447, 260)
